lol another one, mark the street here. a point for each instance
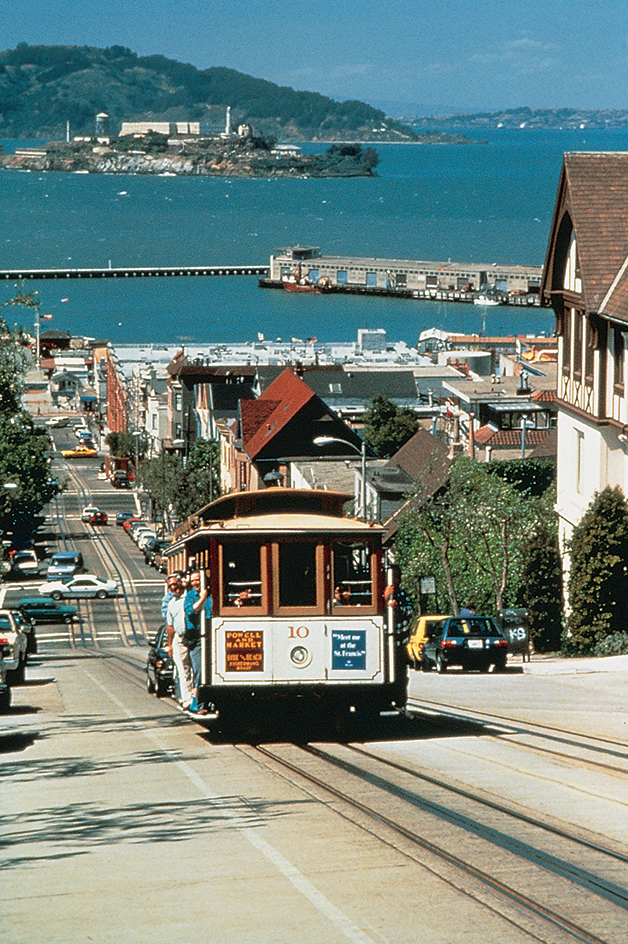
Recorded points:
(497, 811)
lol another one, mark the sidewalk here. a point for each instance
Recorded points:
(555, 665)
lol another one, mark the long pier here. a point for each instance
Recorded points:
(137, 272)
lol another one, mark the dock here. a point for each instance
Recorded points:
(449, 281)
(135, 272)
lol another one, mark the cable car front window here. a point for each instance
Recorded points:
(352, 574)
(297, 575)
(241, 572)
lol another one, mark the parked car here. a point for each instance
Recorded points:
(144, 537)
(99, 517)
(422, 631)
(84, 586)
(57, 422)
(14, 639)
(24, 564)
(159, 665)
(5, 689)
(123, 516)
(88, 511)
(45, 610)
(154, 549)
(128, 524)
(82, 430)
(65, 564)
(472, 642)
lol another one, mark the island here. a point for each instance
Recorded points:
(247, 155)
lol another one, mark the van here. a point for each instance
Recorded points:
(65, 564)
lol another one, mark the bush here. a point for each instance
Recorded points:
(614, 645)
(598, 581)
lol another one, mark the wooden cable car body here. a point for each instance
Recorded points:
(274, 560)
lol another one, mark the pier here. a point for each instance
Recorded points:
(405, 278)
(136, 272)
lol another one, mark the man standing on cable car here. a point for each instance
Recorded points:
(196, 600)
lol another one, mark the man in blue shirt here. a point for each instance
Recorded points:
(196, 602)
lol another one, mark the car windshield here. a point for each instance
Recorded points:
(474, 626)
(5, 624)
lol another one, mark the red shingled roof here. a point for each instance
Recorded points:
(263, 418)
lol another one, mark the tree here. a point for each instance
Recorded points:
(180, 488)
(199, 482)
(542, 585)
(388, 426)
(468, 536)
(25, 477)
(598, 575)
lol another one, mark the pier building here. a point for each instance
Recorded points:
(402, 276)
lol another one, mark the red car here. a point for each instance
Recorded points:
(127, 524)
(99, 517)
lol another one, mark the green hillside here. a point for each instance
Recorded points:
(44, 87)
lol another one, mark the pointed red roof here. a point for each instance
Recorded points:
(263, 418)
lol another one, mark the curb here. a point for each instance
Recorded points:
(577, 666)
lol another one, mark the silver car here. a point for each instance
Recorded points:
(83, 586)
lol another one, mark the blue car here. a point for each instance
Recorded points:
(470, 642)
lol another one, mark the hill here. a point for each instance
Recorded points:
(44, 87)
(559, 118)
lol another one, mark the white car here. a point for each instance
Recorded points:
(88, 511)
(144, 537)
(82, 586)
(13, 646)
(25, 564)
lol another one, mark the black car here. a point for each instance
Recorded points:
(471, 642)
(153, 550)
(159, 665)
(45, 610)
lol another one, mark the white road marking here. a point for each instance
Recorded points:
(286, 868)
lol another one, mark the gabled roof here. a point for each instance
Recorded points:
(263, 418)
(593, 190)
(425, 459)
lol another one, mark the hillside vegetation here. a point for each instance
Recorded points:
(44, 87)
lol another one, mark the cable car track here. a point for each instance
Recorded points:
(127, 607)
(511, 727)
(550, 871)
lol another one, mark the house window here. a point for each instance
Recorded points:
(177, 402)
(579, 459)
(577, 343)
(567, 340)
(619, 346)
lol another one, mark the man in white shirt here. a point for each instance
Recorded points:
(175, 623)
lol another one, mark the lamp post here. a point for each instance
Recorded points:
(326, 440)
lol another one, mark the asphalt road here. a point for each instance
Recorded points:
(124, 820)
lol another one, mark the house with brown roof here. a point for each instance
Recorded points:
(585, 279)
(283, 424)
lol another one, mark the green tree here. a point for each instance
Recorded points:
(26, 482)
(542, 584)
(468, 535)
(199, 482)
(598, 575)
(160, 478)
(388, 426)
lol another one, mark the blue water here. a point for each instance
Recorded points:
(489, 201)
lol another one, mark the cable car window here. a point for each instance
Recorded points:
(352, 574)
(297, 575)
(241, 575)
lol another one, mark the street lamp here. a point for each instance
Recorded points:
(326, 440)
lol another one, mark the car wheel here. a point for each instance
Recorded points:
(500, 665)
(161, 688)
(441, 665)
(56, 595)
(5, 700)
(102, 595)
(425, 665)
(16, 676)
(150, 685)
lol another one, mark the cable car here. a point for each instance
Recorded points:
(298, 614)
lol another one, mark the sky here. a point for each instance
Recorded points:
(421, 57)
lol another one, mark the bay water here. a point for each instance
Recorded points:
(488, 201)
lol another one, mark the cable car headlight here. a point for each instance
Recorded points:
(300, 656)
